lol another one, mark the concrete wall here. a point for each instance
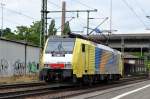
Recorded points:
(18, 59)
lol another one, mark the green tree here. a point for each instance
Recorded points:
(52, 30)
(34, 33)
(8, 34)
(29, 34)
(6, 31)
(67, 29)
(22, 32)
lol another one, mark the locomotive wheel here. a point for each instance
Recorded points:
(85, 79)
(46, 79)
(90, 80)
(74, 79)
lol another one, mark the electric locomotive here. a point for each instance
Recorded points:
(78, 59)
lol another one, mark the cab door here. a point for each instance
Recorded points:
(84, 58)
(88, 56)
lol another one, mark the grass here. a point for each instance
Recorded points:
(19, 79)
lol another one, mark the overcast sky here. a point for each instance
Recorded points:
(128, 16)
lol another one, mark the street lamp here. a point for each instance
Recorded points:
(2, 7)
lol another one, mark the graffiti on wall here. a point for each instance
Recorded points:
(4, 67)
(19, 68)
(33, 67)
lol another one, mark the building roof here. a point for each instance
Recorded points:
(126, 55)
(18, 42)
(125, 36)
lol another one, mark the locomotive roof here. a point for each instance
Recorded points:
(66, 38)
(59, 38)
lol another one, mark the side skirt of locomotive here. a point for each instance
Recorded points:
(65, 75)
(90, 79)
(59, 75)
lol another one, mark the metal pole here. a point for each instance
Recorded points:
(45, 18)
(43, 23)
(88, 22)
(63, 16)
(2, 19)
(88, 11)
(110, 17)
(141, 51)
(148, 59)
(95, 10)
(26, 57)
(122, 45)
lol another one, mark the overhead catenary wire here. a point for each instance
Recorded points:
(16, 12)
(56, 5)
(59, 17)
(85, 5)
(99, 25)
(50, 2)
(138, 4)
(93, 24)
(133, 11)
(77, 1)
(65, 23)
(67, 11)
(81, 22)
(19, 13)
(10, 21)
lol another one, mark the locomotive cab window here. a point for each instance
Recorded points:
(83, 47)
(57, 45)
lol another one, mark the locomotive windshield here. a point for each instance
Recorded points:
(60, 45)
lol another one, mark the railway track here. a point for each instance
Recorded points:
(52, 90)
(68, 93)
(20, 85)
(13, 91)
(107, 86)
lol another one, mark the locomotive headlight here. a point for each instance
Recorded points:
(67, 66)
(47, 66)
